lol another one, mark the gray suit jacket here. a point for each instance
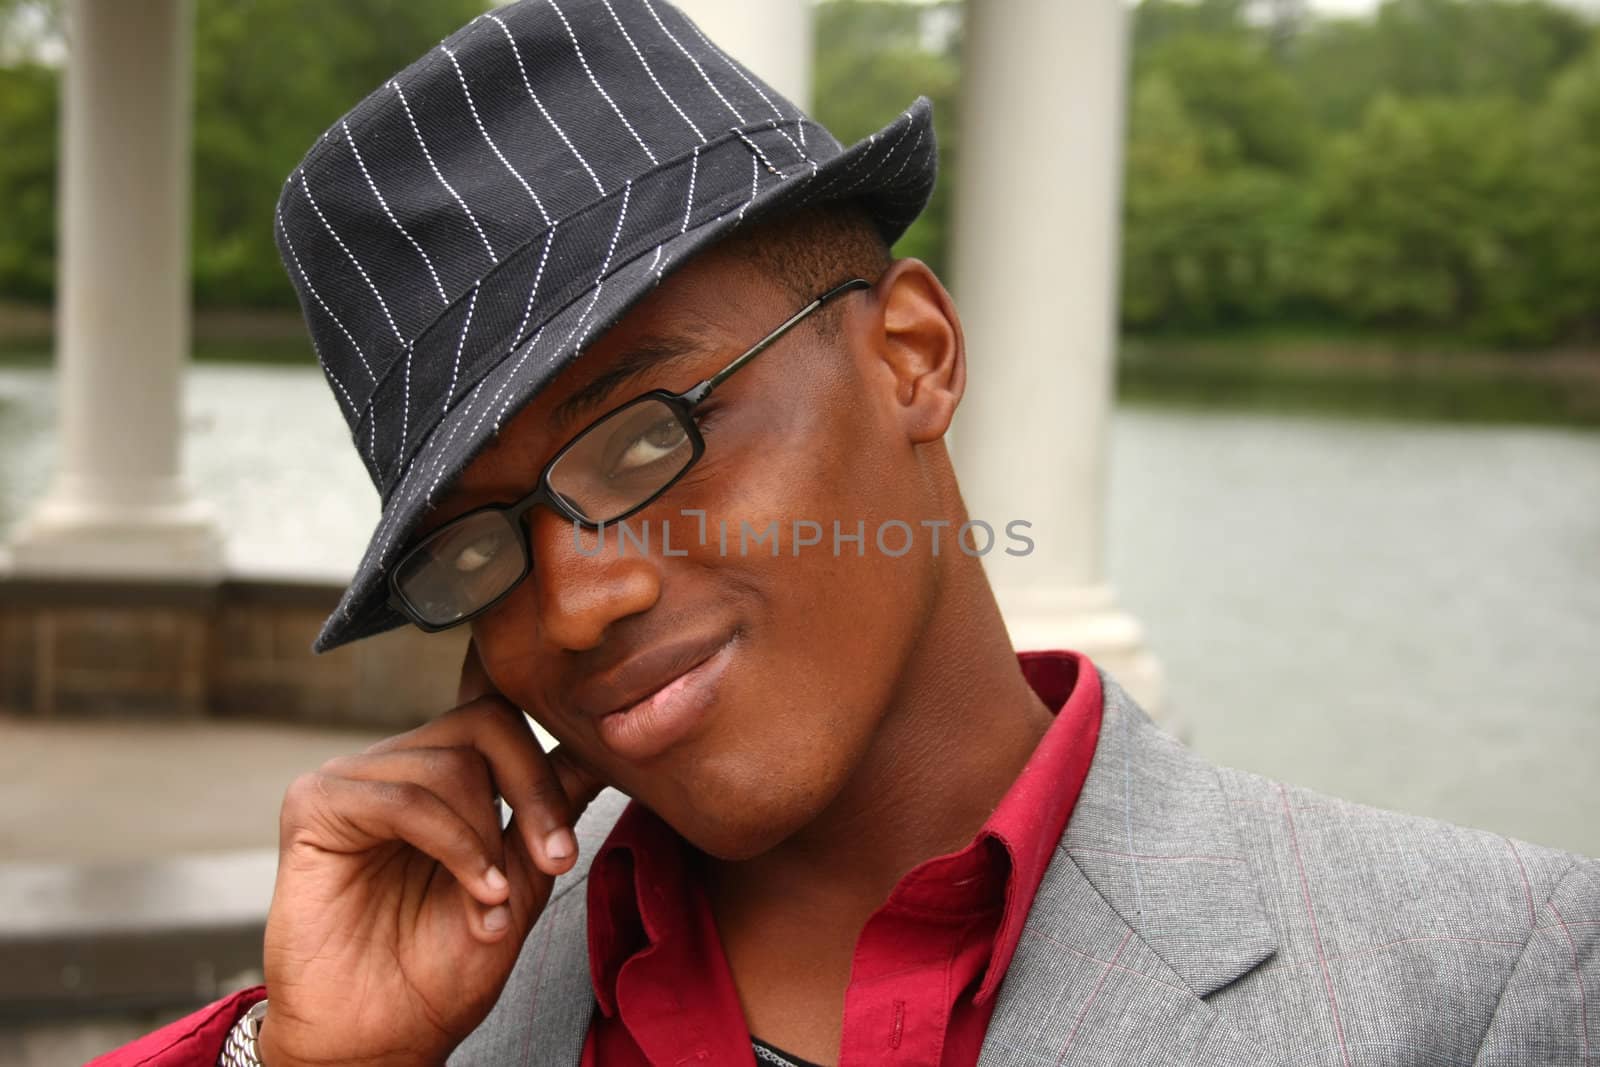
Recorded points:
(1199, 915)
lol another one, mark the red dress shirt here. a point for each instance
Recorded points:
(927, 964)
(193, 1041)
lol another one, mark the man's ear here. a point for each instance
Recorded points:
(921, 347)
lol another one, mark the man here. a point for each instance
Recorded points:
(653, 411)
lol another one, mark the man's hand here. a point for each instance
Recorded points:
(400, 903)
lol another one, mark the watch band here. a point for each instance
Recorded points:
(241, 1049)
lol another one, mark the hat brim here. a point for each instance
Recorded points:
(891, 173)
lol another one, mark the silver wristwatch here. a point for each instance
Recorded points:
(241, 1050)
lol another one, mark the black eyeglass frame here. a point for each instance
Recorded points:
(681, 404)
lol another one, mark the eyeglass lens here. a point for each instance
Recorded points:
(611, 469)
(621, 461)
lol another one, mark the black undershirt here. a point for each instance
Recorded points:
(784, 1057)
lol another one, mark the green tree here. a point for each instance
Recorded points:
(1475, 47)
(1209, 240)
(28, 101)
(1429, 217)
(1565, 158)
(871, 59)
(29, 98)
(1337, 66)
(1247, 107)
(1431, 167)
(270, 75)
(1216, 207)
(1434, 48)
(1156, 22)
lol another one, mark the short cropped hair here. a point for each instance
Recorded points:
(810, 250)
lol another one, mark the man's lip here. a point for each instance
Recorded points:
(644, 673)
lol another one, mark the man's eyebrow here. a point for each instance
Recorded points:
(644, 355)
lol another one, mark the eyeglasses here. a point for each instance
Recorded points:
(618, 464)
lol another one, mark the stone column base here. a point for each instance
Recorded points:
(234, 649)
(179, 544)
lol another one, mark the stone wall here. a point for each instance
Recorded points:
(239, 649)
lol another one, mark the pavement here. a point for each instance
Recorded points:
(136, 866)
(61, 1044)
(124, 790)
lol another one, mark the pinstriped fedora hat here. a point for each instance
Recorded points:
(462, 234)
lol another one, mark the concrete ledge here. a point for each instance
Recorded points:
(95, 939)
(240, 648)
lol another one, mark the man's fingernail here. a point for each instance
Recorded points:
(496, 917)
(559, 844)
(494, 879)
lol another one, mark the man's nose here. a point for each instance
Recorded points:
(580, 585)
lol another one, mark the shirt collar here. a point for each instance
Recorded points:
(637, 895)
(1031, 817)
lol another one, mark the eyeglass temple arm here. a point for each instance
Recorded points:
(704, 389)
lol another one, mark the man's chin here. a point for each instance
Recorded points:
(739, 847)
(736, 800)
(740, 829)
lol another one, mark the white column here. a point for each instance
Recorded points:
(119, 506)
(771, 37)
(1035, 244)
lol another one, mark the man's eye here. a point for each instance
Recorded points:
(655, 443)
(476, 555)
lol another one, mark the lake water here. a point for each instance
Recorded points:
(1402, 614)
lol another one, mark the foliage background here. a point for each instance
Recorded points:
(1434, 169)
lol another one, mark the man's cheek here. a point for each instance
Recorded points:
(513, 675)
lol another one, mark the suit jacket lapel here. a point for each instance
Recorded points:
(1147, 908)
(542, 1016)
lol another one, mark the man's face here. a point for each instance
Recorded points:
(756, 683)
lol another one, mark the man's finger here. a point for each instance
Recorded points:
(521, 772)
(335, 814)
(458, 776)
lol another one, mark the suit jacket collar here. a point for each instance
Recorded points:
(1154, 834)
(1148, 907)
